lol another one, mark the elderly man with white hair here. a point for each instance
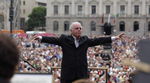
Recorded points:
(74, 47)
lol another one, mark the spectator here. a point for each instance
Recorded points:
(9, 57)
(143, 75)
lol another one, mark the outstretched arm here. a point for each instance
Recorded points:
(44, 39)
(103, 40)
(118, 36)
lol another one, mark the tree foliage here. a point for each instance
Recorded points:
(36, 18)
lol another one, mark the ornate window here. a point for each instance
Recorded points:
(93, 26)
(148, 26)
(1, 22)
(136, 9)
(122, 9)
(80, 9)
(66, 9)
(55, 9)
(93, 9)
(149, 9)
(81, 22)
(122, 26)
(55, 26)
(66, 26)
(136, 26)
(107, 9)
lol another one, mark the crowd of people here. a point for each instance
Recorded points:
(43, 57)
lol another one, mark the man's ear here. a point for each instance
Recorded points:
(70, 30)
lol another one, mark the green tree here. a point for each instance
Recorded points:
(36, 18)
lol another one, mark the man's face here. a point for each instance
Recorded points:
(76, 30)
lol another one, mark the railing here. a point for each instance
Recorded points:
(93, 68)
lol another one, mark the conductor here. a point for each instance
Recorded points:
(74, 47)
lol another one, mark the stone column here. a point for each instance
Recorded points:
(73, 9)
(129, 8)
(61, 9)
(86, 8)
(49, 8)
(100, 12)
(115, 7)
(143, 7)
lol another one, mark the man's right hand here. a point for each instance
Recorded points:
(120, 35)
(38, 38)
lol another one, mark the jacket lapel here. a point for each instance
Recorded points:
(70, 40)
(82, 40)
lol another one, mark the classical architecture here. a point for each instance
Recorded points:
(129, 16)
(5, 13)
(17, 11)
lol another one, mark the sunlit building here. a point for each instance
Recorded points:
(129, 16)
(5, 13)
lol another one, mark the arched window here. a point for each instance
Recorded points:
(136, 26)
(80, 22)
(55, 26)
(122, 26)
(1, 22)
(66, 26)
(93, 26)
(148, 26)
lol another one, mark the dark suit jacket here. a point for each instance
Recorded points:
(74, 61)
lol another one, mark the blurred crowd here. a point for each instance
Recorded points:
(43, 57)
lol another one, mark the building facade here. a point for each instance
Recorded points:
(129, 16)
(16, 15)
(5, 14)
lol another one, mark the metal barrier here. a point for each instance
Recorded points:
(93, 68)
(32, 77)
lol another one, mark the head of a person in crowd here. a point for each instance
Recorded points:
(76, 29)
(9, 56)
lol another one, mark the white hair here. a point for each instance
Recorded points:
(73, 23)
